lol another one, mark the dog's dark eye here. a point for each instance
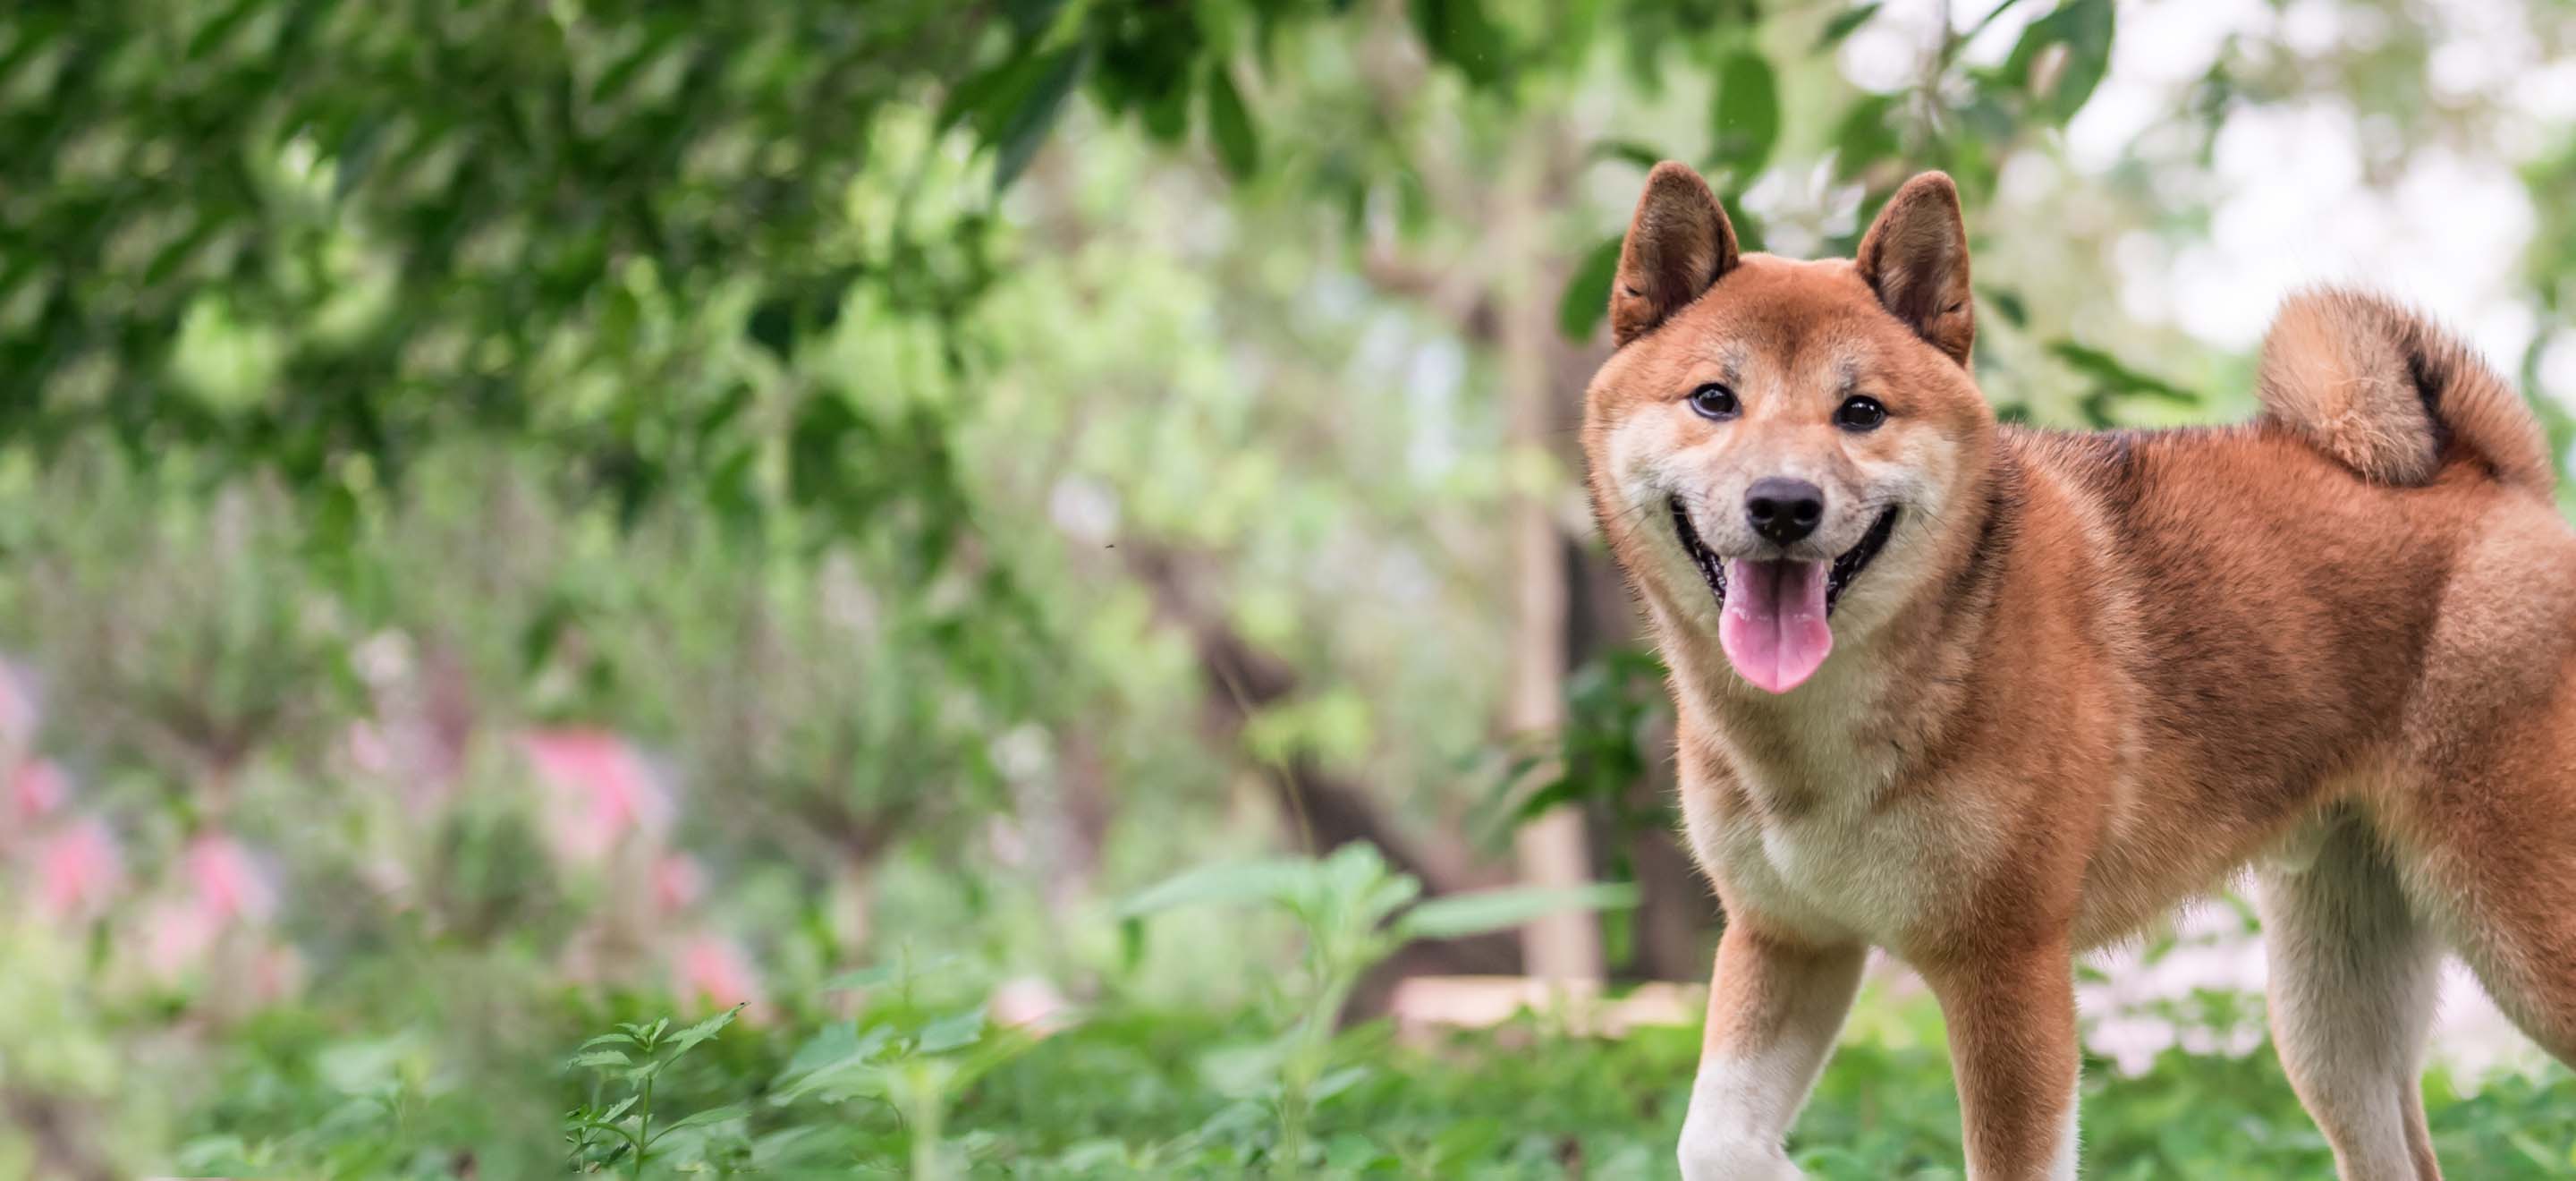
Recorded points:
(1859, 414)
(1714, 401)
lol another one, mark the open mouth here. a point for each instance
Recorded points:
(1773, 627)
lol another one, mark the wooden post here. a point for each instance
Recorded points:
(1551, 849)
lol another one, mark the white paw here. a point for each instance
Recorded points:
(1716, 1157)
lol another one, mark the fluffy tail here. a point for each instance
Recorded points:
(2392, 396)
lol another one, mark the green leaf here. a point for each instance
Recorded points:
(537, 642)
(2112, 374)
(700, 1119)
(1748, 228)
(1349, 1153)
(1460, 34)
(857, 979)
(950, 1032)
(589, 1117)
(1493, 910)
(688, 1039)
(2008, 304)
(2061, 57)
(598, 1058)
(1166, 116)
(1237, 144)
(1265, 880)
(978, 95)
(609, 1117)
(1747, 115)
(1587, 290)
(1547, 798)
(828, 1057)
(1131, 942)
(1629, 150)
(1866, 135)
(1035, 114)
(1843, 24)
(1359, 888)
(2112, 381)
(889, 972)
(773, 326)
(607, 1039)
(834, 1044)
(1336, 1083)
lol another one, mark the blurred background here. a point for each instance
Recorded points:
(1016, 569)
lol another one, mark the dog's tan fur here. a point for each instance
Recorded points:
(2089, 675)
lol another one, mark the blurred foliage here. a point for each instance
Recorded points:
(1355, 914)
(318, 238)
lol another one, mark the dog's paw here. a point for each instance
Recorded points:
(1722, 1158)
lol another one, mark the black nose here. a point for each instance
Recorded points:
(1783, 509)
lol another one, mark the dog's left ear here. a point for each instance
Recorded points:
(1915, 257)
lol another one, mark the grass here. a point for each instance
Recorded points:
(896, 1071)
(907, 1087)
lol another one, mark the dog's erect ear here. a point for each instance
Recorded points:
(1915, 257)
(1678, 244)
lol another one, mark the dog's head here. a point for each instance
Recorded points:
(1778, 447)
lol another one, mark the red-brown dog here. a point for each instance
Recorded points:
(1986, 697)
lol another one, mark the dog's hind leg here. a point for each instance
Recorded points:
(2353, 978)
(2489, 850)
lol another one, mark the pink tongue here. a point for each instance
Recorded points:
(1774, 629)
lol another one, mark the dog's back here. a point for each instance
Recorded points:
(2271, 616)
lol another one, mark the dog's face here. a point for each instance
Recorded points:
(1777, 446)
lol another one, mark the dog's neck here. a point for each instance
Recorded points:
(1887, 699)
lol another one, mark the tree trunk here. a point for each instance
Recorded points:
(1324, 810)
(1551, 848)
(1675, 925)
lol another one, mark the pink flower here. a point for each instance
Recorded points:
(181, 937)
(228, 882)
(78, 870)
(1030, 1004)
(368, 749)
(715, 969)
(407, 749)
(677, 883)
(273, 973)
(37, 788)
(226, 887)
(176, 936)
(602, 790)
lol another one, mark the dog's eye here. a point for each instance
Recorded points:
(1859, 413)
(1714, 401)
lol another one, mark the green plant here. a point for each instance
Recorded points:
(637, 1055)
(1355, 913)
(914, 1063)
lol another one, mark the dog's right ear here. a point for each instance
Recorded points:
(1679, 243)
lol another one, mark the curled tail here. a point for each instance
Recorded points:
(2392, 395)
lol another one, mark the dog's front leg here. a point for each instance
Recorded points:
(1773, 1010)
(2013, 1048)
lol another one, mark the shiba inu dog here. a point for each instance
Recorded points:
(1986, 697)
